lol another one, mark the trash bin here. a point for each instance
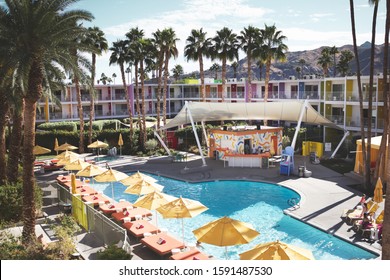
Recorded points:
(301, 171)
(67, 208)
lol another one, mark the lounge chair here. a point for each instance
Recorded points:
(85, 190)
(354, 215)
(140, 227)
(162, 243)
(131, 213)
(95, 199)
(192, 254)
(109, 208)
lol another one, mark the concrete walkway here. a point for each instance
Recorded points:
(324, 196)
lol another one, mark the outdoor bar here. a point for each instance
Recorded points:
(245, 146)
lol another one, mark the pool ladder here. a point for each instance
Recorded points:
(294, 202)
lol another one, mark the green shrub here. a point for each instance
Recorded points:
(11, 201)
(112, 252)
(51, 126)
(151, 144)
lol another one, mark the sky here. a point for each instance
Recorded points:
(307, 24)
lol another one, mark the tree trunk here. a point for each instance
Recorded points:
(4, 109)
(158, 94)
(35, 90)
(223, 79)
(202, 85)
(368, 182)
(143, 125)
(15, 145)
(166, 73)
(129, 108)
(92, 99)
(81, 114)
(266, 83)
(358, 76)
(386, 220)
(249, 62)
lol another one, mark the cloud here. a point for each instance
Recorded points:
(317, 17)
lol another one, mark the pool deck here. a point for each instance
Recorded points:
(324, 195)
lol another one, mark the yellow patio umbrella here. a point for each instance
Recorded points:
(378, 191)
(91, 170)
(73, 183)
(66, 147)
(110, 176)
(181, 208)
(97, 145)
(153, 200)
(136, 178)
(66, 154)
(76, 165)
(67, 159)
(143, 187)
(120, 143)
(225, 232)
(39, 150)
(277, 250)
(56, 145)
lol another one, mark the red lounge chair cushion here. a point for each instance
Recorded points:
(95, 198)
(111, 206)
(161, 241)
(139, 226)
(195, 258)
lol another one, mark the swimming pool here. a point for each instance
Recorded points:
(260, 204)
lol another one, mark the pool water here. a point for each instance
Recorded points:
(256, 203)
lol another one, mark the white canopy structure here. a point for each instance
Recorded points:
(289, 110)
(217, 111)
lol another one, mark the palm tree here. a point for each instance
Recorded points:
(272, 47)
(299, 71)
(383, 149)
(113, 77)
(134, 37)
(260, 64)
(235, 67)
(197, 46)
(248, 42)
(225, 48)
(158, 43)
(342, 66)
(177, 71)
(215, 68)
(4, 108)
(358, 77)
(119, 56)
(334, 51)
(170, 50)
(31, 42)
(95, 38)
(324, 61)
(302, 62)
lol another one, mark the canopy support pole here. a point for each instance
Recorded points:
(346, 133)
(196, 134)
(162, 143)
(205, 136)
(298, 127)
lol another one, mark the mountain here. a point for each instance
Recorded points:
(283, 70)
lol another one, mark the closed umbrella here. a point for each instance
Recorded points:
(272, 148)
(110, 176)
(39, 150)
(120, 143)
(56, 145)
(136, 178)
(181, 208)
(378, 191)
(225, 232)
(73, 183)
(277, 250)
(143, 187)
(153, 200)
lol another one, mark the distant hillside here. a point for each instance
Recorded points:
(287, 69)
